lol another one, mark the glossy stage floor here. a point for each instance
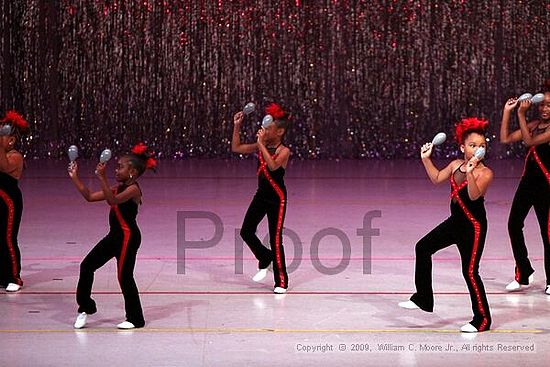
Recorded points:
(351, 228)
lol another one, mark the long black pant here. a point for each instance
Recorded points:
(11, 210)
(529, 194)
(275, 212)
(462, 233)
(112, 246)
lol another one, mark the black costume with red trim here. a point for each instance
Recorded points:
(533, 191)
(11, 210)
(122, 242)
(467, 228)
(270, 200)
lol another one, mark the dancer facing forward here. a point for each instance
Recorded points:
(466, 227)
(271, 196)
(12, 127)
(534, 187)
(124, 237)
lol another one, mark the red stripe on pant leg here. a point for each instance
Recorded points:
(518, 274)
(125, 240)
(547, 175)
(473, 261)
(531, 150)
(541, 165)
(9, 232)
(278, 235)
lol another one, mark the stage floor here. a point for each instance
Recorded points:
(202, 308)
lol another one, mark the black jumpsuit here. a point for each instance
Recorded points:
(11, 210)
(122, 242)
(467, 228)
(533, 191)
(270, 200)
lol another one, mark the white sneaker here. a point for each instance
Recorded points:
(515, 286)
(279, 290)
(12, 287)
(547, 291)
(409, 305)
(260, 275)
(126, 325)
(80, 320)
(468, 328)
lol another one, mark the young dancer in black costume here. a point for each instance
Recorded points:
(124, 237)
(534, 187)
(12, 127)
(466, 227)
(271, 196)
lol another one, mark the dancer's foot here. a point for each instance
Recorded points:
(260, 275)
(279, 290)
(126, 325)
(468, 328)
(515, 286)
(80, 320)
(13, 287)
(409, 305)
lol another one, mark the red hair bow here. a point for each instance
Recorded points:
(151, 163)
(142, 150)
(469, 124)
(276, 111)
(16, 120)
(139, 149)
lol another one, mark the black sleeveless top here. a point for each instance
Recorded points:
(461, 205)
(123, 216)
(537, 161)
(271, 184)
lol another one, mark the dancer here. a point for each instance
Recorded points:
(124, 237)
(534, 187)
(466, 227)
(12, 127)
(271, 197)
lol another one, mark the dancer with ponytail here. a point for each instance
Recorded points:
(271, 196)
(466, 227)
(124, 237)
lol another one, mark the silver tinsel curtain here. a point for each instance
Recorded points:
(362, 78)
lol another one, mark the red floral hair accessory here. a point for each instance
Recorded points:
(276, 111)
(469, 124)
(16, 120)
(140, 149)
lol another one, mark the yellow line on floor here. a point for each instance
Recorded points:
(266, 330)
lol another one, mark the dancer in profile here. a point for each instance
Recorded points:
(124, 237)
(12, 127)
(534, 187)
(271, 196)
(466, 227)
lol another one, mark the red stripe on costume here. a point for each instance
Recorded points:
(477, 230)
(263, 170)
(517, 274)
(542, 167)
(9, 232)
(529, 152)
(126, 238)
(547, 175)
